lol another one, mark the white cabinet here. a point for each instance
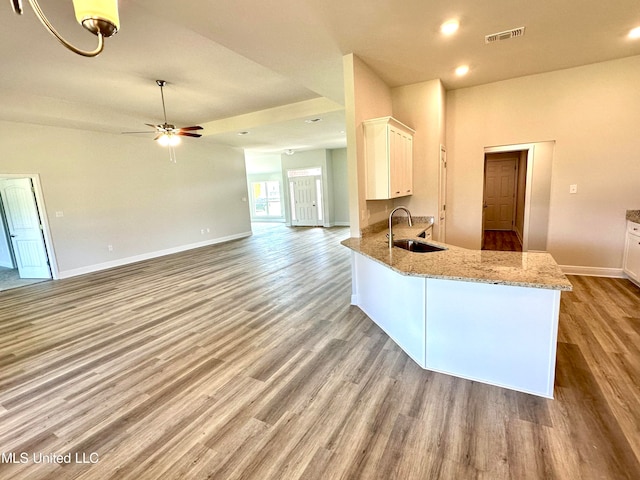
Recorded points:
(497, 334)
(388, 152)
(631, 264)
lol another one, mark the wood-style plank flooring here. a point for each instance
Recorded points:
(245, 361)
(501, 240)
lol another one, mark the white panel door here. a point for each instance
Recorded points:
(499, 194)
(304, 201)
(24, 228)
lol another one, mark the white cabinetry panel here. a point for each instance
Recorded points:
(631, 264)
(388, 158)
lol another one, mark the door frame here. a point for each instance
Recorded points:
(324, 212)
(529, 148)
(442, 195)
(42, 213)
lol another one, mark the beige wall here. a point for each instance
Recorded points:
(421, 107)
(366, 97)
(123, 191)
(591, 112)
(521, 189)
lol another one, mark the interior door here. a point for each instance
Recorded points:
(499, 194)
(442, 196)
(25, 229)
(304, 199)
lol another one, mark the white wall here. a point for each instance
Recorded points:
(123, 191)
(592, 114)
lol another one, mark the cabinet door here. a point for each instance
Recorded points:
(400, 163)
(632, 257)
(388, 147)
(407, 186)
(395, 149)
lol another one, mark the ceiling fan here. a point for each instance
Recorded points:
(168, 135)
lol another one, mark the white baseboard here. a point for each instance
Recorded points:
(592, 271)
(341, 224)
(147, 256)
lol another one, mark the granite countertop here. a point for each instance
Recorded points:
(536, 270)
(633, 216)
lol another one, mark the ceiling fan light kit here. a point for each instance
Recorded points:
(168, 139)
(168, 135)
(100, 17)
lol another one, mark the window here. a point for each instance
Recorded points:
(305, 172)
(266, 199)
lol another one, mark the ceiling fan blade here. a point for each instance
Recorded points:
(187, 134)
(125, 133)
(195, 127)
(158, 136)
(152, 125)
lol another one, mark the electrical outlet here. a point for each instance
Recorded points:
(573, 188)
(202, 231)
(110, 248)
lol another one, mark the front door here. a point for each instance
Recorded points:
(305, 201)
(25, 229)
(499, 194)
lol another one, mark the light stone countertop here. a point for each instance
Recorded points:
(633, 216)
(535, 270)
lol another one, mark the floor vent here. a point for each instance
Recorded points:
(506, 35)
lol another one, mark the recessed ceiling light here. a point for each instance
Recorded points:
(243, 133)
(449, 27)
(635, 33)
(289, 152)
(462, 70)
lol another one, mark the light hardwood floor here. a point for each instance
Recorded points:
(501, 240)
(246, 361)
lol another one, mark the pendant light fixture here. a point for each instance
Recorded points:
(100, 17)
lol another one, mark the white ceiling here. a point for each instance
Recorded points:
(231, 65)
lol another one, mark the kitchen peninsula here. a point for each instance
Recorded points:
(486, 316)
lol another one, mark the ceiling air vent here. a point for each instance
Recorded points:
(506, 35)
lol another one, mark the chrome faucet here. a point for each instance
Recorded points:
(390, 234)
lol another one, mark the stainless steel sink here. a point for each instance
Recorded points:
(415, 246)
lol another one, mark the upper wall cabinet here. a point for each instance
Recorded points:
(388, 151)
